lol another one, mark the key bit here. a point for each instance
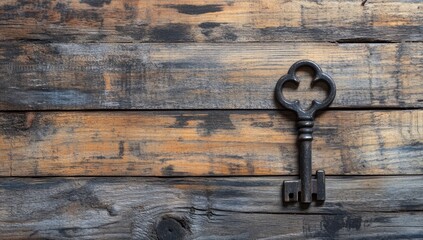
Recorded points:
(306, 186)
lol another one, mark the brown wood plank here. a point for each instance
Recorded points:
(207, 208)
(200, 143)
(211, 21)
(203, 76)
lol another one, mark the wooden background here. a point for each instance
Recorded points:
(130, 119)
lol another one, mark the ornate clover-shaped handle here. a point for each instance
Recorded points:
(319, 76)
(306, 186)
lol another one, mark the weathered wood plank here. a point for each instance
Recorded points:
(211, 21)
(202, 76)
(176, 143)
(207, 208)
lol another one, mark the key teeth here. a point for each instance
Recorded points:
(293, 187)
(320, 186)
(290, 190)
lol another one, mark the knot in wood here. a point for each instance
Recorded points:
(171, 229)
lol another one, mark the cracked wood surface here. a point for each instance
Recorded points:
(203, 76)
(211, 21)
(206, 143)
(207, 208)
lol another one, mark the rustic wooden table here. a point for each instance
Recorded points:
(131, 119)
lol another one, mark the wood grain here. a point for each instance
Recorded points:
(211, 21)
(203, 76)
(206, 143)
(207, 208)
(215, 55)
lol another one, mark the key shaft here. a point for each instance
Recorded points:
(305, 137)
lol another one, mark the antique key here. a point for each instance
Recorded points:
(305, 186)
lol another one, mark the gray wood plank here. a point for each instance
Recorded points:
(203, 76)
(207, 208)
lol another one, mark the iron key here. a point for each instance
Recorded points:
(306, 185)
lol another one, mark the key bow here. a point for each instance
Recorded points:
(319, 76)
